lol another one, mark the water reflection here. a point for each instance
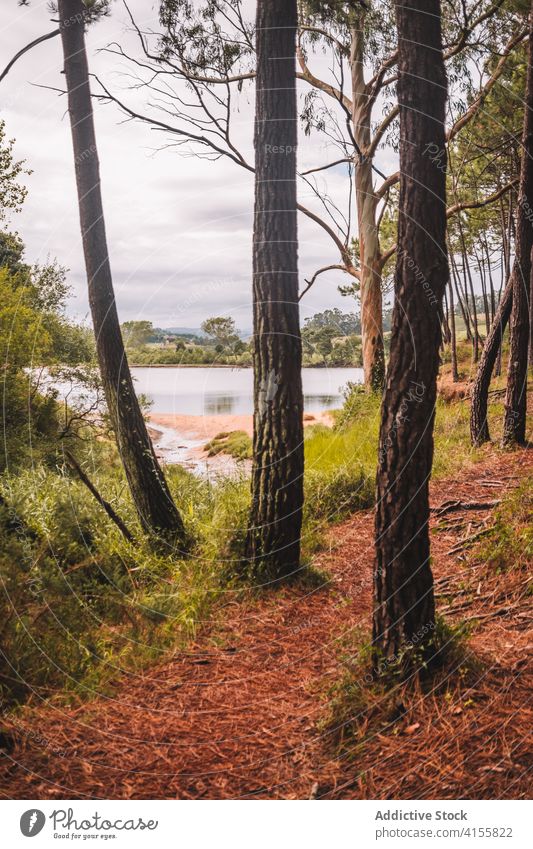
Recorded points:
(314, 403)
(216, 405)
(227, 391)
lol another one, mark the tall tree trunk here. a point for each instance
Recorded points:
(514, 425)
(455, 278)
(446, 332)
(483, 277)
(404, 605)
(370, 259)
(491, 284)
(157, 512)
(468, 285)
(453, 335)
(479, 426)
(273, 541)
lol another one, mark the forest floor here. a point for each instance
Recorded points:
(246, 711)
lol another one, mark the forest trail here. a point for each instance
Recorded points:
(240, 714)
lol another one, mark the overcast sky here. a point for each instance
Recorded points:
(179, 229)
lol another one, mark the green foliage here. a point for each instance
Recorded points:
(12, 192)
(222, 331)
(137, 333)
(191, 355)
(236, 444)
(329, 338)
(343, 324)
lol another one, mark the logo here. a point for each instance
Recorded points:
(32, 822)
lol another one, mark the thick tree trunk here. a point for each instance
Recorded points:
(370, 260)
(479, 426)
(404, 606)
(514, 425)
(273, 542)
(155, 507)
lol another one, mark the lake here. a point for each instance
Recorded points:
(222, 391)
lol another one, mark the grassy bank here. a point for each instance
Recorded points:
(80, 603)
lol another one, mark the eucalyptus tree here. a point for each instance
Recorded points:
(156, 510)
(200, 62)
(404, 606)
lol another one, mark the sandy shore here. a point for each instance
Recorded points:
(207, 427)
(181, 439)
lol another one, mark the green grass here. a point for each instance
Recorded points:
(509, 543)
(79, 601)
(236, 444)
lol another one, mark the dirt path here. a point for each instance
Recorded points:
(241, 713)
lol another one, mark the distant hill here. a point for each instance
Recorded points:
(196, 331)
(183, 331)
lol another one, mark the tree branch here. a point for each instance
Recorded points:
(477, 204)
(24, 50)
(306, 75)
(75, 466)
(381, 130)
(478, 102)
(318, 273)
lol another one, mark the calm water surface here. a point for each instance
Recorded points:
(215, 391)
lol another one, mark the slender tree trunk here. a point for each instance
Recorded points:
(85, 479)
(483, 277)
(157, 512)
(446, 332)
(468, 284)
(514, 425)
(479, 426)
(453, 340)
(491, 284)
(507, 231)
(404, 605)
(370, 259)
(455, 278)
(273, 541)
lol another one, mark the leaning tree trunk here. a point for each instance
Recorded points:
(514, 424)
(273, 540)
(479, 425)
(155, 507)
(404, 607)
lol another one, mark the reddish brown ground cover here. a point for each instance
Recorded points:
(244, 712)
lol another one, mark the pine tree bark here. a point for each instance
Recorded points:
(479, 425)
(404, 605)
(273, 540)
(157, 512)
(514, 424)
